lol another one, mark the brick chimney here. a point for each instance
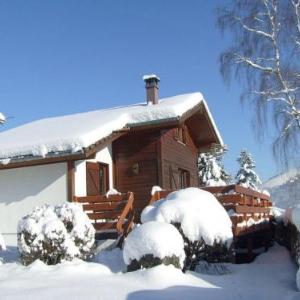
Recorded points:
(151, 82)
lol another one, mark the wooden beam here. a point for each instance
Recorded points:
(159, 161)
(71, 180)
(93, 149)
(163, 124)
(43, 161)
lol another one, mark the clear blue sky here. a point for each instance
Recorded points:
(63, 56)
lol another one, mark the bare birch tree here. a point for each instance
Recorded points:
(265, 58)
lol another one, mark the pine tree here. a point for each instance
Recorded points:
(211, 168)
(246, 175)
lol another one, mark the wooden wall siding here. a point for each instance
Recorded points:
(176, 155)
(136, 165)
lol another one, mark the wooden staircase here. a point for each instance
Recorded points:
(111, 216)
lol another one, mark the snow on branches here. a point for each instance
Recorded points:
(211, 168)
(264, 55)
(55, 233)
(246, 175)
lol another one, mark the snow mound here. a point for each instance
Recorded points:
(112, 192)
(156, 238)
(54, 233)
(155, 189)
(2, 243)
(197, 211)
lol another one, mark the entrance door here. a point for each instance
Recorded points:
(97, 178)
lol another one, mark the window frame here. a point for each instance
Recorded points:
(184, 178)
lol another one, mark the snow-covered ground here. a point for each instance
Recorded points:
(270, 276)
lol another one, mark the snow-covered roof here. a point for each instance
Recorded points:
(74, 133)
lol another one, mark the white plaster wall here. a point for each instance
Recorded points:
(104, 156)
(22, 189)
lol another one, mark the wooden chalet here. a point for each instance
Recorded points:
(129, 148)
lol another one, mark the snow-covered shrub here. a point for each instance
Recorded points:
(246, 175)
(202, 221)
(2, 243)
(152, 244)
(55, 233)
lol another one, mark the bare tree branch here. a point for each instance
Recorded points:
(266, 35)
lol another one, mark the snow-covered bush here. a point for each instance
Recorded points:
(246, 175)
(2, 243)
(152, 244)
(211, 168)
(203, 222)
(55, 233)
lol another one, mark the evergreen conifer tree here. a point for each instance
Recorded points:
(211, 168)
(246, 175)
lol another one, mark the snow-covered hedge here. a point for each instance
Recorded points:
(200, 218)
(55, 233)
(151, 244)
(291, 219)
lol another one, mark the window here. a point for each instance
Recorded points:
(103, 179)
(180, 134)
(97, 182)
(184, 178)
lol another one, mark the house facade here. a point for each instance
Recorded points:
(129, 148)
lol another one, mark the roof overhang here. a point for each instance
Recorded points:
(202, 127)
(200, 122)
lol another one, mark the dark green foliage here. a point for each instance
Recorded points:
(149, 261)
(198, 251)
